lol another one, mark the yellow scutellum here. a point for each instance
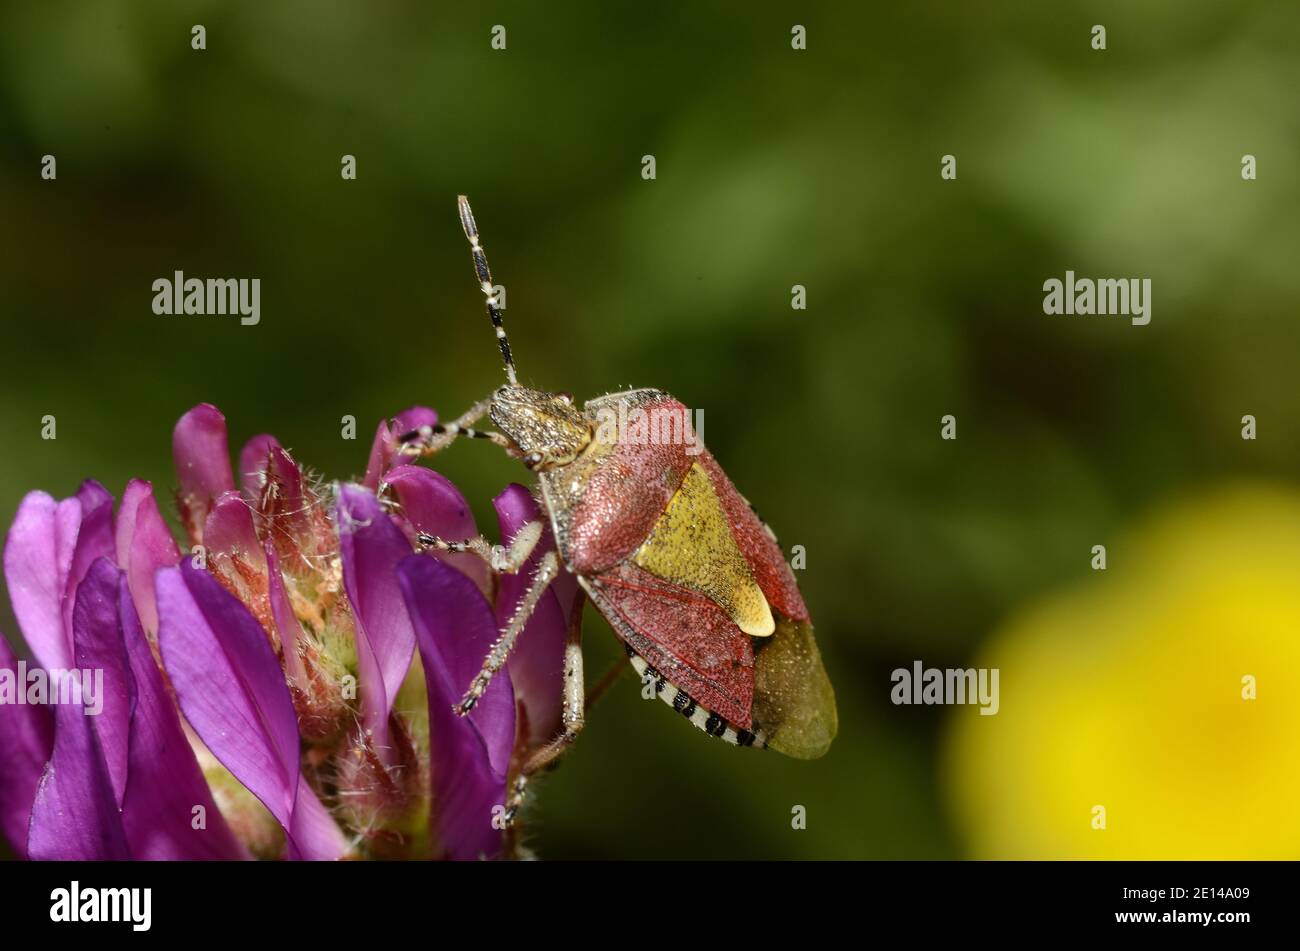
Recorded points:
(1132, 693)
(692, 544)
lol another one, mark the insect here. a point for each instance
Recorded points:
(679, 564)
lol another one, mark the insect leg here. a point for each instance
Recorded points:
(573, 717)
(502, 558)
(547, 569)
(427, 440)
(574, 714)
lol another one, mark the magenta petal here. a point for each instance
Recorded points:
(287, 476)
(202, 457)
(95, 537)
(97, 638)
(537, 664)
(253, 460)
(26, 741)
(372, 545)
(144, 544)
(286, 622)
(94, 541)
(229, 530)
(470, 756)
(379, 455)
(124, 522)
(164, 781)
(92, 496)
(284, 502)
(432, 504)
(37, 562)
(201, 452)
(384, 447)
(230, 686)
(76, 814)
(314, 835)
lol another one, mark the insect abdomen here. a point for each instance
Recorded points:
(706, 720)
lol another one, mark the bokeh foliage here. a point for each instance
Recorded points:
(775, 168)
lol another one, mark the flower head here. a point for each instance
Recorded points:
(259, 695)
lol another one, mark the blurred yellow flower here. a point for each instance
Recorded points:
(1131, 693)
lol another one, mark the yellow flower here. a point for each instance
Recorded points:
(1131, 693)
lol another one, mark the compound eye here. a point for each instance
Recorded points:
(533, 459)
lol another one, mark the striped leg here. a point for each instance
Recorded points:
(428, 440)
(547, 569)
(500, 558)
(573, 717)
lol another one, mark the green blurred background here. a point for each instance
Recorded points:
(774, 168)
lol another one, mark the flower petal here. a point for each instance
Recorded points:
(124, 522)
(202, 457)
(384, 447)
(95, 537)
(288, 511)
(253, 460)
(470, 756)
(94, 541)
(144, 544)
(371, 546)
(229, 531)
(313, 835)
(26, 741)
(97, 637)
(433, 505)
(37, 562)
(287, 627)
(76, 814)
(233, 693)
(164, 782)
(537, 663)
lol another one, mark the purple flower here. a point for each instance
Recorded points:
(112, 784)
(255, 693)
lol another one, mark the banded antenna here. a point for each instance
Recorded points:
(485, 283)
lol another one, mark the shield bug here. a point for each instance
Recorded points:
(688, 576)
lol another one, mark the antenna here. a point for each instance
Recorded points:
(485, 282)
